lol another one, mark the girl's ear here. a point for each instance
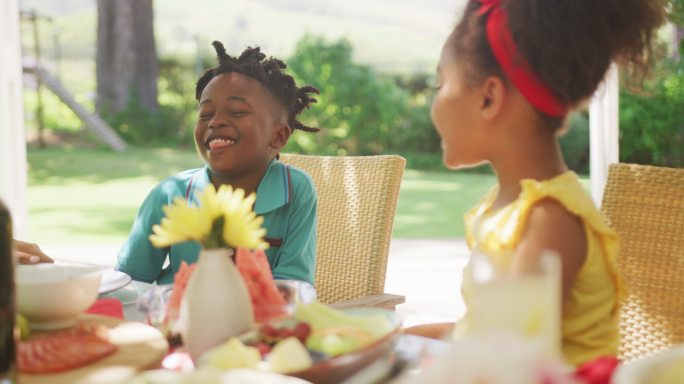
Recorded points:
(280, 136)
(494, 94)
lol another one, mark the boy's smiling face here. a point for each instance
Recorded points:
(240, 128)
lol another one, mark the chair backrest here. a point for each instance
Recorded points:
(357, 200)
(645, 205)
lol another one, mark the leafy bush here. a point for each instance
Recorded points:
(652, 121)
(423, 161)
(575, 142)
(360, 111)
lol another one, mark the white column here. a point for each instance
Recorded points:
(603, 132)
(12, 132)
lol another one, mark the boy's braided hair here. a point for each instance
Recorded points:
(253, 63)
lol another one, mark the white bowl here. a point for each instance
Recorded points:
(51, 296)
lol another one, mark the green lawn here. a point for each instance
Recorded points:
(90, 196)
(432, 204)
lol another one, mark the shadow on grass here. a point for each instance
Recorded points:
(57, 166)
(91, 195)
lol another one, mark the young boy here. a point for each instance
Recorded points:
(248, 108)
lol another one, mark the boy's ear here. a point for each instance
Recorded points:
(494, 94)
(280, 136)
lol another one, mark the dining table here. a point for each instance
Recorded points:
(411, 352)
(143, 347)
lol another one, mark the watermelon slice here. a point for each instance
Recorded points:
(267, 301)
(180, 282)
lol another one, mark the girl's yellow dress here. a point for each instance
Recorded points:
(590, 316)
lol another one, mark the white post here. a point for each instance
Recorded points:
(12, 132)
(603, 132)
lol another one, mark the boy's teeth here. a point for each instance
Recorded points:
(220, 143)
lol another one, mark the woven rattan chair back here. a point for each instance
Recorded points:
(357, 200)
(645, 205)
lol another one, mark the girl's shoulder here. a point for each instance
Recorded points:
(566, 190)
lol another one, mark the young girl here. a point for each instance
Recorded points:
(509, 74)
(248, 108)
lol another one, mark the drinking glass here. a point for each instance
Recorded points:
(295, 291)
(153, 303)
(521, 298)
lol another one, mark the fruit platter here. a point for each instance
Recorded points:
(311, 342)
(317, 343)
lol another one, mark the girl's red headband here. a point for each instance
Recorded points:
(513, 64)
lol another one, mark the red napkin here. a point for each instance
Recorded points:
(107, 307)
(597, 371)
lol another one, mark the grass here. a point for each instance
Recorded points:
(432, 204)
(91, 196)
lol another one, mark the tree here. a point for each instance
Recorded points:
(677, 18)
(126, 55)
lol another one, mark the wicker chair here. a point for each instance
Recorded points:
(357, 199)
(645, 205)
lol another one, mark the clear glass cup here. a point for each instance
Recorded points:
(521, 298)
(295, 291)
(153, 303)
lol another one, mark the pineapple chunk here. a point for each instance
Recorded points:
(289, 355)
(230, 355)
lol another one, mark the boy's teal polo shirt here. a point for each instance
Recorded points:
(286, 198)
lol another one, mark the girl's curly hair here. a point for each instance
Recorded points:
(569, 44)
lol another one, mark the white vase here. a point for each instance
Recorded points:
(216, 304)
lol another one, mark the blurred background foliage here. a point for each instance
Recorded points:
(652, 118)
(364, 110)
(360, 110)
(376, 81)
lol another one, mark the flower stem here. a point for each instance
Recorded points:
(215, 238)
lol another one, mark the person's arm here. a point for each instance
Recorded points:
(551, 227)
(297, 254)
(30, 253)
(138, 257)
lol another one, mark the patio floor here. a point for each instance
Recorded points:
(426, 271)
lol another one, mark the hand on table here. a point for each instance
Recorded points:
(434, 331)
(29, 253)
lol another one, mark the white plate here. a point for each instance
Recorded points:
(668, 364)
(113, 280)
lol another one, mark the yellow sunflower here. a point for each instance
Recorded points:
(223, 218)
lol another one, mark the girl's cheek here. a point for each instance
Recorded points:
(433, 109)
